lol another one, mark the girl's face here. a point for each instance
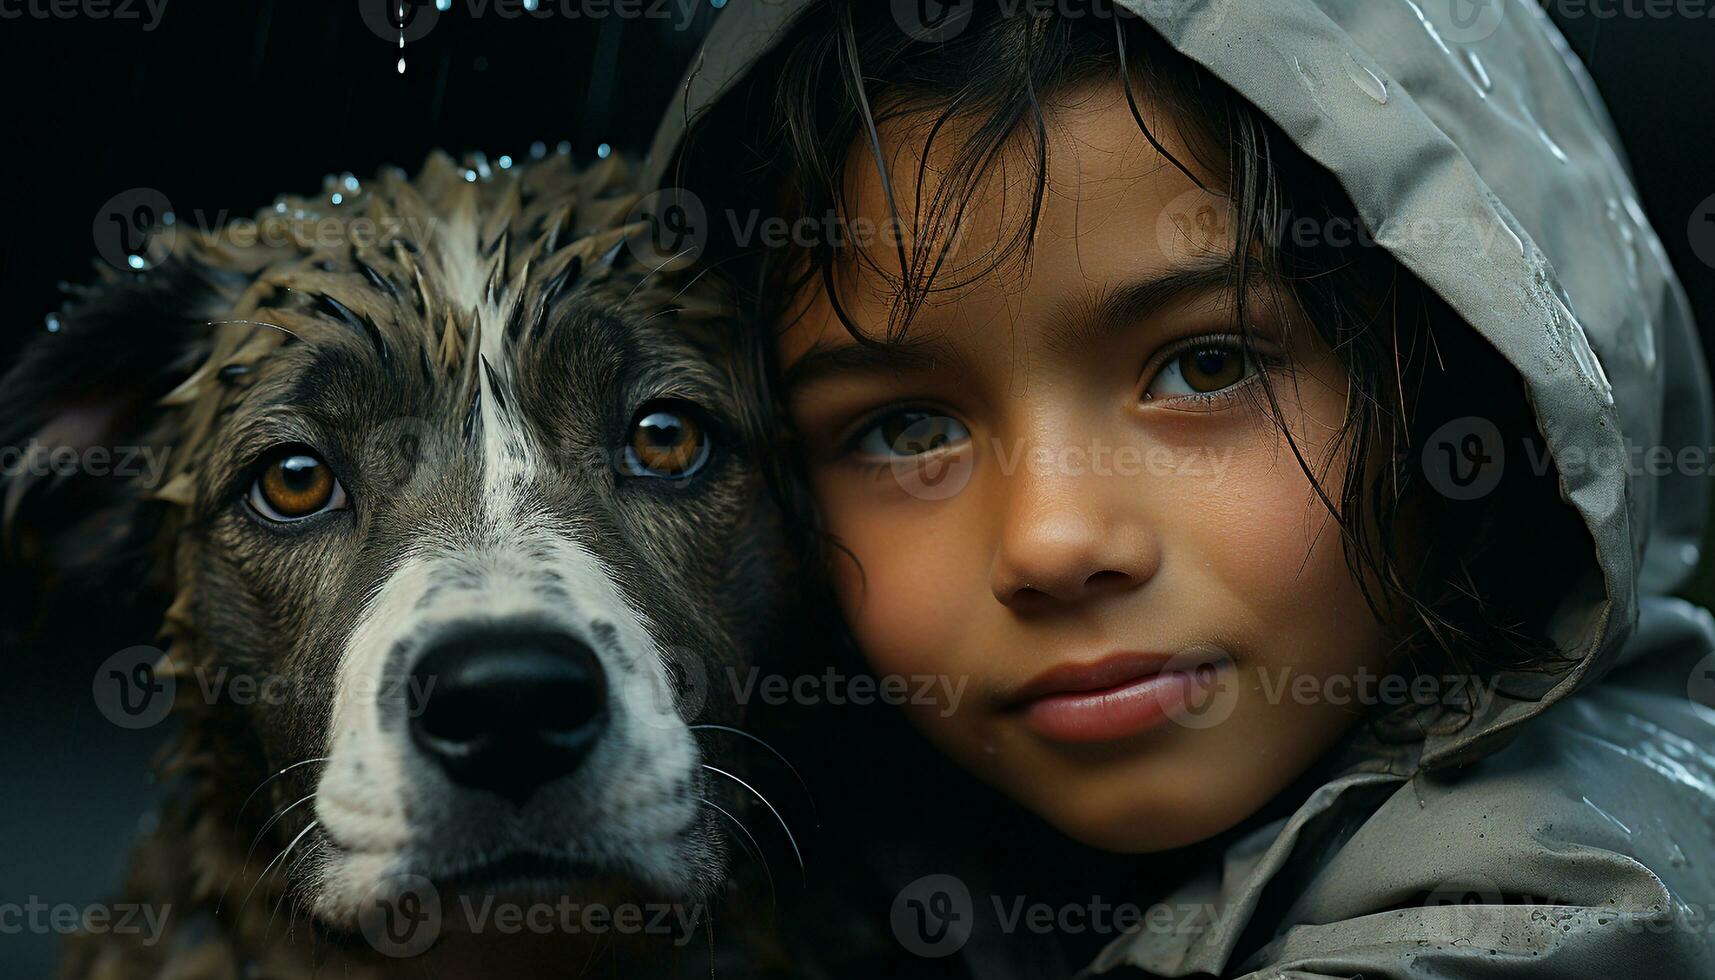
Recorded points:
(1063, 499)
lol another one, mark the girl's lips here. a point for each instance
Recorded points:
(1123, 695)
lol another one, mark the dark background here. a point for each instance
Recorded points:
(227, 103)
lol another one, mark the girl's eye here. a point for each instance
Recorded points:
(666, 442)
(1201, 369)
(909, 433)
(293, 484)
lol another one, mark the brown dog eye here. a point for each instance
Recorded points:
(666, 442)
(295, 483)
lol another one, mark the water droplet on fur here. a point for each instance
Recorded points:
(1367, 81)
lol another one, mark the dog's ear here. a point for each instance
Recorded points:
(82, 446)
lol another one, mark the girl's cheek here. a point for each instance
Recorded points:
(902, 603)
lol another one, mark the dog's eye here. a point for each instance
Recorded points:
(294, 483)
(666, 441)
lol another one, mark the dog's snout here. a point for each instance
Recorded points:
(508, 712)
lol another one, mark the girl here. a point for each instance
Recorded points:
(1241, 404)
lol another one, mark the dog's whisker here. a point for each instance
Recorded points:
(254, 843)
(286, 892)
(777, 754)
(254, 323)
(313, 824)
(651, 273)
(790, 839)
(258, 789)
(666, 312)
(753, 847)
(271, 822)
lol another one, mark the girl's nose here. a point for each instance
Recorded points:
(1068, 539)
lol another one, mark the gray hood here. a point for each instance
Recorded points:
(1478, 153)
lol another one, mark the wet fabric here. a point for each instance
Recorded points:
(1568, 830)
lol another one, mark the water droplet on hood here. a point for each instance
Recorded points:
(1479, 75)
(1429, 28)
(1367, 81)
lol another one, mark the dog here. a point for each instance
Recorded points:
(461, 518)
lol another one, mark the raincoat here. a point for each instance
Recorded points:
(1568, 830)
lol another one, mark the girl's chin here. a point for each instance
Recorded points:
(1123, 812)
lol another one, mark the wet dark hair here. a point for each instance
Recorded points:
(1475, 592)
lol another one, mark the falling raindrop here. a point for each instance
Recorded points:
(401, 37)
(470, 176)
(538, 150)
(135, 261)
(604, 151)
(53, 323)
(338, 198)
(505, 162)
(532, 4)
(351, 183)
(168, 218)
(443, 5)
(563, 147)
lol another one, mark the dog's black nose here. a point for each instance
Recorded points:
(508, 712)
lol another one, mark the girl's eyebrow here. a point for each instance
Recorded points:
(824, 360)
(1078, 324)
